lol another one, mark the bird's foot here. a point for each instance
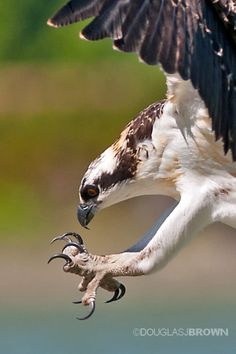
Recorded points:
(94, 270)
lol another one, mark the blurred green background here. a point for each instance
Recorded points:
(62, 102)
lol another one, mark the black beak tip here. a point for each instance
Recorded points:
(85, 213)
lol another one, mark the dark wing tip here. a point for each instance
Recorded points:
(51, 23)
(74, 11)
(63, 17)
(67, 15)
(83, 36)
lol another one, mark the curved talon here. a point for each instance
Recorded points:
(114, 297)
(122, 291)
(76, 235)
(77, 302)
(65, 237)
(92, 303)
(74, 244)
(61, 255)
(59, 238)
(118, 294)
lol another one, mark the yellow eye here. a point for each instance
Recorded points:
(90, 191)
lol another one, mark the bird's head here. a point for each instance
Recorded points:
(124, 170)
(109, 179)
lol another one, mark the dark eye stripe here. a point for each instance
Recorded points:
(89, 191)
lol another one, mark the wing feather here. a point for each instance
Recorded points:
(196, 38)
(76, 10)
(108, 23)
(134, 27)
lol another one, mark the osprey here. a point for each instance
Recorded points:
(183, 146)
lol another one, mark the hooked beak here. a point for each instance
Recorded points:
(85, 213)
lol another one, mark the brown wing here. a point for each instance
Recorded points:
(196, 38)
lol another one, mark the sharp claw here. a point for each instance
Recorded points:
(74, 244)
(119, 293)
(122, 291)
(92, 303)
(76, 235)
(65, 237)
(114, 297)
(77, 302)
(61, 255)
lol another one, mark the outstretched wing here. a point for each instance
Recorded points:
(196, 38)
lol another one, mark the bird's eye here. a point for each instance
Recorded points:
(90, 191)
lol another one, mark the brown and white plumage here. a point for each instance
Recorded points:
(184, 146)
